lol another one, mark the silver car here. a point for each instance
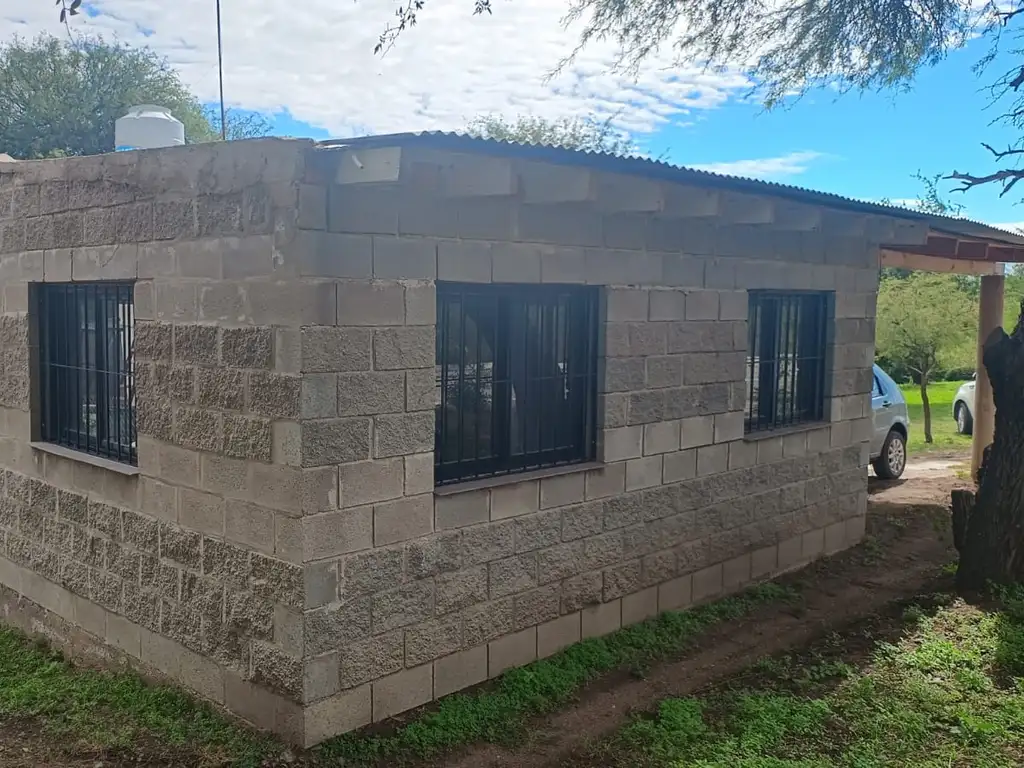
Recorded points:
(892, 424)
(963, 407)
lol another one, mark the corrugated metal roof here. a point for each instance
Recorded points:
(657, 169)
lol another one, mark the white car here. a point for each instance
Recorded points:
(963, 407)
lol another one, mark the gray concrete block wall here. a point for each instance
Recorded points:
(424, 594)
(199, 553)
(285, 520)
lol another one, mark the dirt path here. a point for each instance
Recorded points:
(906, 546)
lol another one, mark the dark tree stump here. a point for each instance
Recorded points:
(991, 540)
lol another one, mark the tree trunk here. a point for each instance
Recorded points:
(992, 542)
(927, 408)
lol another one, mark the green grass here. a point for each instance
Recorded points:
(949, 692)
(944, 435)
(118, 712)
(113, 710)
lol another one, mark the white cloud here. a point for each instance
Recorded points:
(782, 166)
(315, 58)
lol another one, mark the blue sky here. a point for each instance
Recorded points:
(311, 66)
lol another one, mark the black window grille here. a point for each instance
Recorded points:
(786, 358)
(516, 378)
(86, 382)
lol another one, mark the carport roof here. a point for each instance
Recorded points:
(946, 232)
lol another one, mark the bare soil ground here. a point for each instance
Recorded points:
(903, 555)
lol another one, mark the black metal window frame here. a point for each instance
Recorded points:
(516, 378)
(85, 366)
(788, 354)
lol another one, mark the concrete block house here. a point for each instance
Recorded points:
(326, 431)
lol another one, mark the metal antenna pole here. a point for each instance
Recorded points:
(220, 72)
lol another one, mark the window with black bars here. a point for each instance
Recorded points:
(86, 382)
(786, 358)
(516, 378)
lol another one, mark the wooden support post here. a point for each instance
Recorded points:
(990, 317)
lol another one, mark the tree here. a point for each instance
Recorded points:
(583, 133)
(61, 98)
(925, 324)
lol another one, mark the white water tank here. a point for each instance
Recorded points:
(148, 126)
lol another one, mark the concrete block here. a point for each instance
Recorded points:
(622, 374)
(791, 554)
(702, 305)
(663, 371)
(249, 524)
(515, 500)
(764, 562)
(680, 465)
(562, 265)
(627, 305)
(742, 454)
(513, 650)
(464, 261)
(420, 389)
(403, 434)
(661, 437)
(707, 583)
(623, 443)
(403, 348)
(835, 538)
(855, 529)
(795, 445)
(320, 677)
(643, 473)
(668, 305)
(561, 490)
(601, 619)
(369, 482)
(368, 302)
(418, 473)
(337, 533)
(813, 545)
(407, 518)
(402, 691)
(433, 639)
(712, 459)
(341, 713)
(736, 572)
(640, 606)
(292, 303)
(733, 305)
(335, 441)
(769, 450)
(459, 671)
(606, 481)
(557, 634)
(729, 426)
(420, 304)
(696, 431)
(461, 509)
(335, 349)
(124, 635)
(319, 398)
(202, 675)
(369, 393)
(515, 263)
(327, 254)
(408, 258)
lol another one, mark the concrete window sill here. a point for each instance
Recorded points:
(86, 458)
(513, 479)
(767, 434)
